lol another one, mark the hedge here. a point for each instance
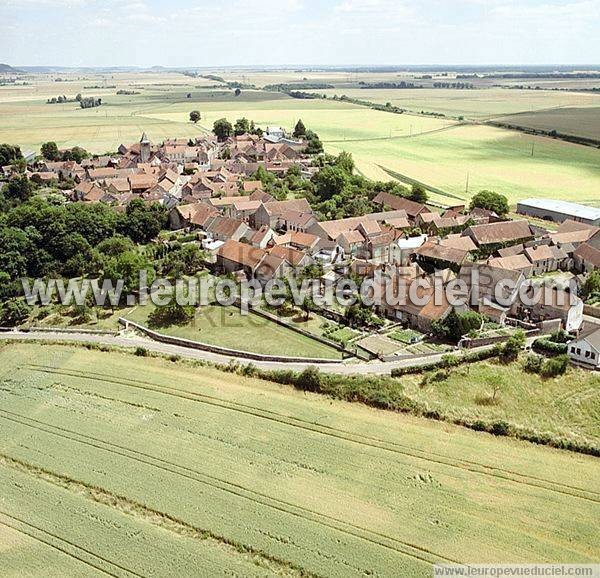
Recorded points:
(446, 361)
(546, 345)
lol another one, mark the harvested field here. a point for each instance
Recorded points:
(582, 122)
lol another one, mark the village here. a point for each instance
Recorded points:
(215, 200)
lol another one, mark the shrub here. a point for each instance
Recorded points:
(310, 379)
(249, 370)
(533, 364)
(141, 352)
(13, 312)
(548, 345)
(510, 350)
(500, 428)
(555, 366)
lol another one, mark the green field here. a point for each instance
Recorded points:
(488, 157)
(478, 104)
(438, 152)
(127, 466)
(567, 407)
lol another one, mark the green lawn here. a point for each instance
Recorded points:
(227, 327)
(166, 469)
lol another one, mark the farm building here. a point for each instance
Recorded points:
(586, 349)
(559, 211)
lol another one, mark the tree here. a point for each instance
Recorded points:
(237, 92)
(242, 126)
(308, 305)
(171, 314)
(418, 194)
(13, 312)
(195, 116)
(115, 245)
(222, 128)
(142, 222)
(495, 382)
(78, 154)
(555, 366)
(591, 285)
(9, 154)
(491, 201)
(330, 181)
(511, 348)
(455, 325)
(314, 145)
(187, 259)
(127, 267)
(310, 379)
(345, 161)
(299, 129)
(19, 189)
(49, 151)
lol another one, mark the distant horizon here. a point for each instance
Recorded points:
(443, 67)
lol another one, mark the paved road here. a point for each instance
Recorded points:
(134, 340)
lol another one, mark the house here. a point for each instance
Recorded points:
(433, 255)
(457, 241)
(513, 263)
(553, 303)
(436, 224)
(224, 228)
(297, 240)
(406, 248)
(294, 257)
(573, 233)
(492, 236)
(274, 214)
(251, 186)
(274, 133)
(559, 211)
(142, 182)
(586, 258)
(243, 208)
(585, 349)
(195, 215)
(262, 237)
(491, 285)
(392, 297)
(412, 208)
(542, 259)
(234, 256)
(271, 267)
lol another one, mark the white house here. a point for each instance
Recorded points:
(586, 348)
(274, 133)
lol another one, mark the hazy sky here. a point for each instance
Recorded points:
(276, 32)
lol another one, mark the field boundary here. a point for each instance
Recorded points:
(404, 178)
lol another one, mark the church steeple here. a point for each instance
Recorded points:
(144, 148)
